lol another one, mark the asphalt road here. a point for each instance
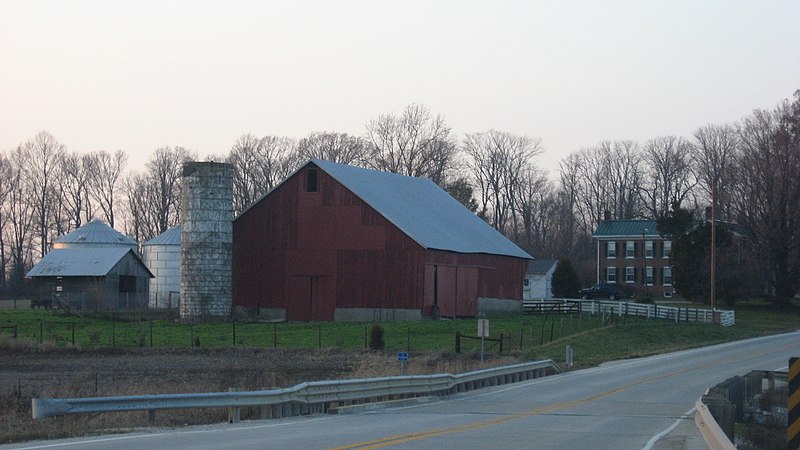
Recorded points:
(621, 405)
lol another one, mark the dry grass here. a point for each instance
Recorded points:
(29, 370)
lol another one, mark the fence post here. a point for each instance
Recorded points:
(73, 334)
(234, 333)
(501, 343)
(274, 335)
(458, 342)
(41, 331)
(151, 332)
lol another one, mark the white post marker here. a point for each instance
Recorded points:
(402, 357)
(483, 332)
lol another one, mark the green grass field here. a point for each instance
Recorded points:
(530, 337)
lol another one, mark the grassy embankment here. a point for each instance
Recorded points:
(529, 337)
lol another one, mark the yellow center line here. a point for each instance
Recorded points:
(394, 440)
(400, 439)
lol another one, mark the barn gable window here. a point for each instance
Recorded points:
(311, 180)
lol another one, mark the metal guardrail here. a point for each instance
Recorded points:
(304, 398)
(650, 311)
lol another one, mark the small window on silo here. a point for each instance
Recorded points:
(311, 180)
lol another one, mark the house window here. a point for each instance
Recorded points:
(311, 180)
(611, 274)
(630, 249)
(611, 250)
(648, 275)
(648, 249)
(667, 248)
(667, 294)
(630, 275)
(667, 278)
(526, 283)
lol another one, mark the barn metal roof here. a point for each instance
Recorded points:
(96, 232)
(423, 211)
(80, 262)
(169, 237)
(541, 265)
(626, 228)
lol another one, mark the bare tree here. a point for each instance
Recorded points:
(42, 152)
(334, 147)
(259, 165)
(153, 197)
(105, 171)
(670, 177)
(713, 154)
(624, 168)
(75, 177)
(6, 174)
(415, 144)
(534, 206)
(19, 213)
(498, 161)
(768, 197)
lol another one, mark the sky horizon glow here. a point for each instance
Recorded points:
(137, 76)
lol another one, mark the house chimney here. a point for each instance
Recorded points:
(708, 213)
(606, 215)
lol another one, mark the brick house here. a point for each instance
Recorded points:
(632, 253)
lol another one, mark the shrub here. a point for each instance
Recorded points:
(376, 338)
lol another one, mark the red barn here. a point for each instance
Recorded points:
(336, 242)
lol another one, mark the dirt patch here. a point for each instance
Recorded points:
(28, 371)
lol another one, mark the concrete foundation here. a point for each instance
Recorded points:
(499, 306)
(375, 314)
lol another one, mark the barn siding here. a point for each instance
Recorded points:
(314, 252)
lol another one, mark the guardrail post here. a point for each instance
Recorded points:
(151, 417)
(234, 414)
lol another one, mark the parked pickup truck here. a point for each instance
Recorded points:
(611, 291)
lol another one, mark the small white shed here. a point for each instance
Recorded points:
(539, 279)
(162, 255)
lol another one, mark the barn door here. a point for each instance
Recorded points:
(309, 298)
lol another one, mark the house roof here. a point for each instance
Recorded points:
(422, 210)
(541, 265)
(96, 232)
(169, 237)
(80, 262)
(626, 228)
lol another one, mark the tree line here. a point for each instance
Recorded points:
(750, 169)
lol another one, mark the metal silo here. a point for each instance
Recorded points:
(206, 240)
(162, 255)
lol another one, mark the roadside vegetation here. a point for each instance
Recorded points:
(43, 361)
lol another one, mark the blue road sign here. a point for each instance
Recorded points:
(402, 356)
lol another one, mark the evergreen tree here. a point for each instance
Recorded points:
(566, 283)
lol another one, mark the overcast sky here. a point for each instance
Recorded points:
(138, 75)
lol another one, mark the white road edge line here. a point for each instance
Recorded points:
(171, 433)
(655, 438)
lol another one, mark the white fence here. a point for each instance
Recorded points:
(674, 313)
(305, 398)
